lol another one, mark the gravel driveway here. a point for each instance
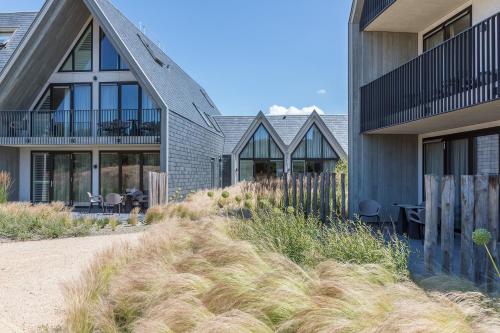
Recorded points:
(31, 274)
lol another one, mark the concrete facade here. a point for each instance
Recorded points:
(387, 164)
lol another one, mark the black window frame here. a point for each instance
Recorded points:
(306, 159)
(71, 54)
(119, 69)
(443, 27)
(253, 158)
(120, 165)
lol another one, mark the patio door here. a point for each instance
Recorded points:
(64, 177)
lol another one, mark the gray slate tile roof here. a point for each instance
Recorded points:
(20, 22)
(175, 86)
(287, 127)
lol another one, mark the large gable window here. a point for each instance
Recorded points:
(314, 153)
(261, 158)
(110, 60)
(80, 58)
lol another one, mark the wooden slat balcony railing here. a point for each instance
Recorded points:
(372, 9)
(459, 73)
(46, 127)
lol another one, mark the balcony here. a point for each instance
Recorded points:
(372, 9)
(80, 127)
(404, 15)
(461, 73)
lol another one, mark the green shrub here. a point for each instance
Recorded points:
(154, 215)
(21, 221)
(248, 196)
(210, 194)
(225, 194)
(248, 204)
(238, 199)
(307, 241)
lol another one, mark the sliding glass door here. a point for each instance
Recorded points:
(61, 176)
(124, 171)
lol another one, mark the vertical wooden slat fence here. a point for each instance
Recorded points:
(479, 209)
(317, 194)
(158, 188)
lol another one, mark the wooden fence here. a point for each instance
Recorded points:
(158, 188)
(323, 195)
(479, 208)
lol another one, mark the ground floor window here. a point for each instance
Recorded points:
(61, 176)
(313, 154)
(122, 171)
(261, 158)
(469, 153)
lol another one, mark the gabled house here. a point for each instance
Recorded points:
(88, 103)
(424, 96)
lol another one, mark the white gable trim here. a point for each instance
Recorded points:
(315, 119)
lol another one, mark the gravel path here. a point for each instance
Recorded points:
(31, 274)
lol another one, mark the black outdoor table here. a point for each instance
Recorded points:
(403, 227)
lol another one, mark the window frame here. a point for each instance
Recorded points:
(444, 25)
(101, 35)
(120, 165)
(268, 160)
(72, 53)
(306, 159)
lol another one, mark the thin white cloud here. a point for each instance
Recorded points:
(322, 92)
(277, 110)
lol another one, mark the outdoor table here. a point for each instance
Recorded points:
(403, 227)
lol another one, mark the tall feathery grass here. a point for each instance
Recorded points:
(191, 276)
(23, 221)
(207, 269)
(5, 186)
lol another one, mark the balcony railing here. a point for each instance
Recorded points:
(372, 9)
(459, 73)
(124, 126)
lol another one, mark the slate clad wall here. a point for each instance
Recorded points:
(9, 162)
(191, 150)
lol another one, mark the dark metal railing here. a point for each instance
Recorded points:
(459, 73)
(81, 126)
(372, 9)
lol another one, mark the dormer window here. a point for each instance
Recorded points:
(5, 36)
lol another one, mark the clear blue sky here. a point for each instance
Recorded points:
(249, 55)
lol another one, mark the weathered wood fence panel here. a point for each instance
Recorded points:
(158, 188)
(317, 194)
(479, 208)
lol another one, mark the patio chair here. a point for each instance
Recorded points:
(95, 200)
(370, 209)
(417, 216)
(113, 200)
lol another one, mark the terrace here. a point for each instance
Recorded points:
(77, 127)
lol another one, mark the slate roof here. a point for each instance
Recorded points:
(21, 23)
(287, 127)
(175, 86)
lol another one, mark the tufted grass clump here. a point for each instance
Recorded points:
(23, 221)
(189, 276)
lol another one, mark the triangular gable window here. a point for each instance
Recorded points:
(110, 60)
(80, 58)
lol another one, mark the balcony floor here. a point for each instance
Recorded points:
(479, 114)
